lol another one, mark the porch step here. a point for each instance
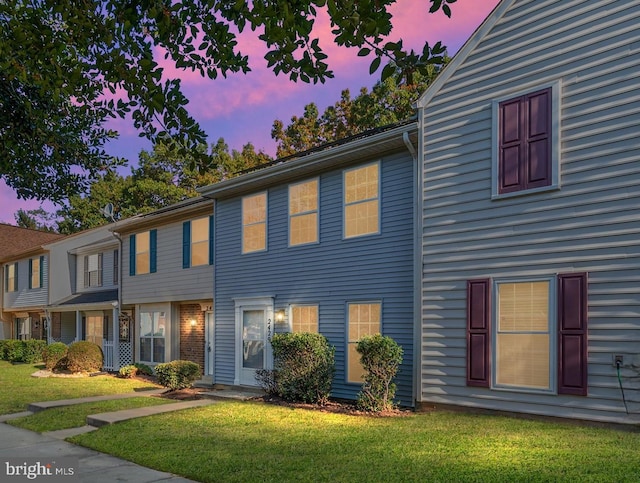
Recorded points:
(104, 419)
(41, 406)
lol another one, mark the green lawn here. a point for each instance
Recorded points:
(239, 442)
(76, 415)
(18, 388)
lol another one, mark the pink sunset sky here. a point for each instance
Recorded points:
(242, 108)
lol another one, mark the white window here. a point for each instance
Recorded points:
(36, 272)
(303, 213)
(524, 346)
(143, 253)
(254, 223)
(11, 278)
(304, 318)
(361, 201)
(93, 270)
(364, 319)
(153, 336)
(200, 242)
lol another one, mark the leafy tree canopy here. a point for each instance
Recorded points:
(66, 67)
(162, 178)
(389, 101)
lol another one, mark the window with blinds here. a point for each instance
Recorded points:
(523, 338)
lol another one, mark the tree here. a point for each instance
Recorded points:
(37, 219)
(389, 101)
(66, 67)
(162, 178)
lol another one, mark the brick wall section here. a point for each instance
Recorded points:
(192, 338)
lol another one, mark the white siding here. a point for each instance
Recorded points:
(591, 224)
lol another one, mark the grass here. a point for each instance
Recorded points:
(76, 415)
(237, 442)
(20, 389)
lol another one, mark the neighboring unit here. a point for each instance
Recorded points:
(319, 242)
(83, 294)
(25, 277)
(167, 282)
(530, 214)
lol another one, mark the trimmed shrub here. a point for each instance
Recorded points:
(381, 357)
(33, 350)
(3, 349)
(266, 378)
(14, 350)
(83, 356)
(53, 353)
(304, 364)
(133, 370)
(177, 374)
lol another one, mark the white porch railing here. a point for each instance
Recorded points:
(107, 350)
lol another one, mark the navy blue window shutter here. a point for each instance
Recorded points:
(6, 278)
(30, 272)
(41, 271)
(211, 233)
(153, 249)
(132, 255)
(186, 244)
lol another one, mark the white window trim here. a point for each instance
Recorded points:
(344, 204)
(553, 335)
(556, 87)
(266, 223)
(347, 340)
(168, 330)
(316, 211)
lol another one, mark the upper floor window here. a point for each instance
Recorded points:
(304, 318)
(254, 223)
(526, 142)
(361, 200)
(11, 277)
(303, 213)
(93, 270)
(197, 242)
(142, 252)
(36, 272)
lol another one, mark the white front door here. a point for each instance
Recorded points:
(208, 344)
(254, 326)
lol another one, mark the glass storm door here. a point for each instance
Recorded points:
(208, 344)
(253, 348)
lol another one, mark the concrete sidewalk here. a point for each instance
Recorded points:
(93, 467)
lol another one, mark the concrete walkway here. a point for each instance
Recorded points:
(95, 467)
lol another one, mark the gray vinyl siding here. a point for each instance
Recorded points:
(25, 296)
(330, 274)
(591, 224)
(170, 282)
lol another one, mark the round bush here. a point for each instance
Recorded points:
(53, 353)
(84, 356)
(304, 366)
(14, 350)
(177, 374)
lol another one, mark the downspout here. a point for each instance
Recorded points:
(417, 263)
(116, 310)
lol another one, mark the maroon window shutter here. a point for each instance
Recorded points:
(538, 142)
(572, 334)
(525, 142)
(512, 149)
(478, 333)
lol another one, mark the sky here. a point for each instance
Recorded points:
(242, 107)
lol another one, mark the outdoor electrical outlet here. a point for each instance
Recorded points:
(617, 360)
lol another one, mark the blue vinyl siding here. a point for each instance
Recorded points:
(329, 274)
